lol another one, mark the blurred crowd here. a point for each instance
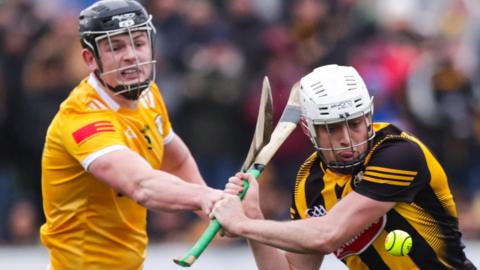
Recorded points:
(420, 60)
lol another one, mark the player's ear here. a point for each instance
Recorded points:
(89, 59)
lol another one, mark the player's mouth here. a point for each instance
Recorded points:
(129, 74)
(347, 155)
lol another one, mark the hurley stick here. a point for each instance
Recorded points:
(287, 123)
(263, 130)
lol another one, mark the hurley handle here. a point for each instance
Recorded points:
(214, 227)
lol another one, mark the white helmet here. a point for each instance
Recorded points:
(332, 94)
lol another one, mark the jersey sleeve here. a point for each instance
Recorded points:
(396, 172)
(87, 136)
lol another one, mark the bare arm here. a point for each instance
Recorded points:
(307, 240)
(268, 257)
(322, 235)
(127, 172)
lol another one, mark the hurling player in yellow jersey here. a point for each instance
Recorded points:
(364, 180)
(110, 152)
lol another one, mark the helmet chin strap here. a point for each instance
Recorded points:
(352, 167)
(130, 92)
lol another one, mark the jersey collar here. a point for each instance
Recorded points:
(93, 81)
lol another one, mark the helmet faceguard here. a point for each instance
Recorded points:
(334, 97)
(104, 20)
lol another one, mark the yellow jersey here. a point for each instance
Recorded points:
(89, 225)
(398, 168)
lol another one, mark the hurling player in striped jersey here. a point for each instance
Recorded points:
(111, 153)
(363, 180)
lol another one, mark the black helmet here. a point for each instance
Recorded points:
(110, 16)
(107, 18)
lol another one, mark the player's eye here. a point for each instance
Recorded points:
(114, 48)
(334, 128)
(139, 44)
(355, 123)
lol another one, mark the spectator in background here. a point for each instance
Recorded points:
(53, 66)
(213, 87)
(441, 100)
(20, 27)
(453, 95)
(310, 28)
(6, 183)
(385, 63)
(215, 90)
(172, 34)
(245, 27)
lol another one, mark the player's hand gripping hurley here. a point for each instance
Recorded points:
(259, 154)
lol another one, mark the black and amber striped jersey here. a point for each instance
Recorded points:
(399, 168)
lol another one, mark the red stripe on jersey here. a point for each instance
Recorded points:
(91, 129)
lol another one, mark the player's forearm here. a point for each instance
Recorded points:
(296, 236)
(163, 191)
(130, 174)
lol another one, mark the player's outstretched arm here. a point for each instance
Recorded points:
(267, 257)
(130, 174)
(320, 235)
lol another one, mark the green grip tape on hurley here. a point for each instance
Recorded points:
(213, 228)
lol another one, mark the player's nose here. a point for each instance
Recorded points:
(344, 135)
(129, 54)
